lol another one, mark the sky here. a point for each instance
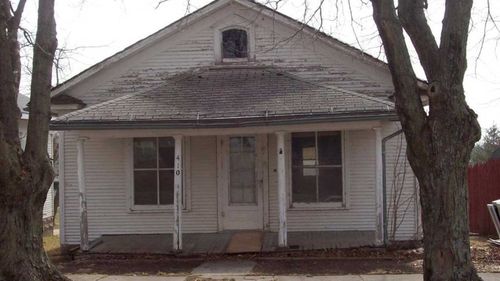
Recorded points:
(93, 30)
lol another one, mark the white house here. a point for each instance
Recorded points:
(48, 206)
(234, 118)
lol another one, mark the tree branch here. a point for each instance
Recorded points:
(18, 13)
(488, 19)
(407, 97)
(43, 57)
(412, 17)
(454, 35)
(9, 79)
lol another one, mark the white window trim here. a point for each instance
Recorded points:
(131, 207)
(218, 44)
(344, 205)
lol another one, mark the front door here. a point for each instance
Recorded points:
(241, 188)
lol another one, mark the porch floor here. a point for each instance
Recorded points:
(229, 242)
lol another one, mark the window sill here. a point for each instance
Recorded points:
(153, 209)
(234, 60)
(318, 206)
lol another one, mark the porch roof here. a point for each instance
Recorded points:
(228, 96)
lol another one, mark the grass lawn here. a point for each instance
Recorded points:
(51, 242)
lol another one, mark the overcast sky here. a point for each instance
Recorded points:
(97, 29)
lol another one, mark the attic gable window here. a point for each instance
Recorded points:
(234, 44)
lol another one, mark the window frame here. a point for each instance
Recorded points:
(186, 179)
(245, 58)
(344, 204)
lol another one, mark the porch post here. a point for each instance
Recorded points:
(379, 195)
(282, 202)
(177, 233)
(84, 232)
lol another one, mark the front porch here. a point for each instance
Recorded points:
(229, 242)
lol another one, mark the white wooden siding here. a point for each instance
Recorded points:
(360, 214)
(193, 47)
(48, 205)
(401, 194)
(106, 175)
(108, 208)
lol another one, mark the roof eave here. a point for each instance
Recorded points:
(221, 123)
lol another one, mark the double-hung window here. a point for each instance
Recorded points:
(317, 168)
(153, 171)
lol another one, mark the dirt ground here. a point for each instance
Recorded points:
(486, 258)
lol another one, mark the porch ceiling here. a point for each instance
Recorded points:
(229, 96)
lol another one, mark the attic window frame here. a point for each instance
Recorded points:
(218, 44)
(235, 29)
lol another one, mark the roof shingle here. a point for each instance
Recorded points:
(229, 93)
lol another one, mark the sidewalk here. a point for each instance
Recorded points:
(385, 277)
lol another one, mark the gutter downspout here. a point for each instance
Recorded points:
(384, 182)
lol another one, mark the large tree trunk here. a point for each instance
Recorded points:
(443, 194)
(23, 257)
(439, 142)
(25, 176)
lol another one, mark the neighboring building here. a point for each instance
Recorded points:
(234, 118)
(48, 206)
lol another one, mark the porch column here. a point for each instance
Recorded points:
(84, 231)
(379, 195)
(177, 234)
(282, 202)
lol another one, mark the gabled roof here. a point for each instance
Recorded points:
(228, 96)
(202, 12)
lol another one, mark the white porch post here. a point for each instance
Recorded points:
(282, 231)
(177, 234)
(84, 232)
(379, 236)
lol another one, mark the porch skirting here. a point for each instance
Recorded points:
(217, 243)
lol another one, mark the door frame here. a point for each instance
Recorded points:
(261, 174)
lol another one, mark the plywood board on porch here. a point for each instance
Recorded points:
(245, 242)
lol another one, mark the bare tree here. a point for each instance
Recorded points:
(439, 142)
(25, 176)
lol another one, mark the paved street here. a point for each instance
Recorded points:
(227, 277)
